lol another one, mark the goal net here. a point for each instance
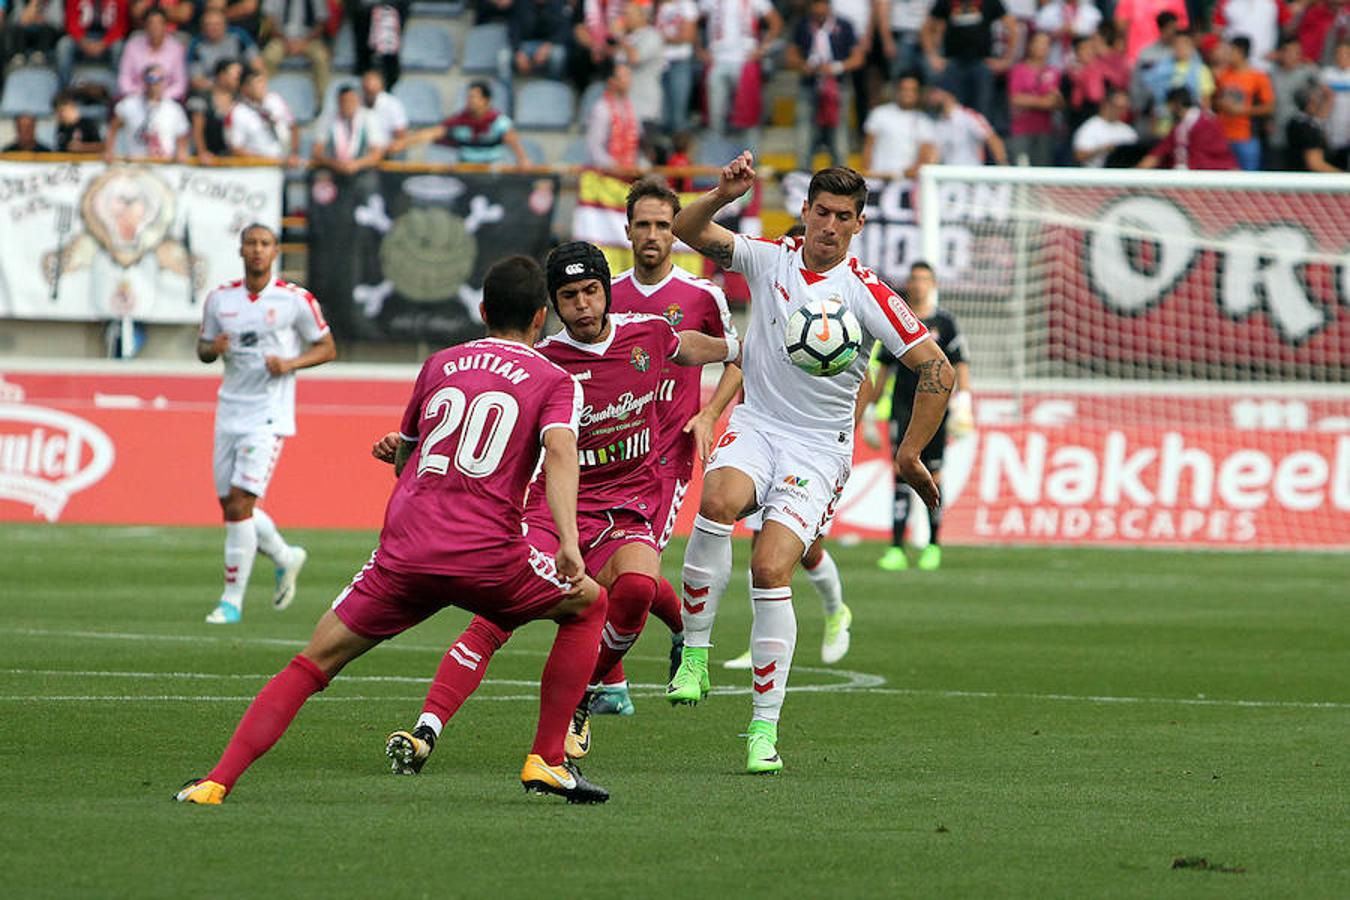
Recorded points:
(1158, 357)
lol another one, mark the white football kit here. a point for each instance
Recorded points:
(255, 410)
(793, 435)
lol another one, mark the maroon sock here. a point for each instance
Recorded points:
(616, 675)
(569, 667)
(462, 668)
(268, 717)
(666, 606)
(630, 598)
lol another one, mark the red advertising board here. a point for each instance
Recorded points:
(1129, 469)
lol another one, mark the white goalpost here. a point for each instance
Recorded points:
(1159, 357)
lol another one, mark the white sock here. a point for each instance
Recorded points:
(773, 637)
(431, 721)
(825, 579)
(707, 568)
(241, 545)
(270, 542)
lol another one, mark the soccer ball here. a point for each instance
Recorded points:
(822, 337)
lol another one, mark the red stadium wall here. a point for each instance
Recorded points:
(103, 447)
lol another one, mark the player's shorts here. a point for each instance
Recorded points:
(796, 485)
(755, 522)
(673, 491)
(600, 534)
(932, 453)
(381, 602)
(245, 461)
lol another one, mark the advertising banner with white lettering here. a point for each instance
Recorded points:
(91, 241)
(398, 256)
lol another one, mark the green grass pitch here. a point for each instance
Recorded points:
(1038, 723)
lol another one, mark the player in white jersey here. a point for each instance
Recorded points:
(265, 329)
(788, 448)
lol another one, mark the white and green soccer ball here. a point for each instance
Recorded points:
(822, 337)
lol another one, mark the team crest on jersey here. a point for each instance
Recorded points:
(271, 315)
(674, 315)
(641, 359)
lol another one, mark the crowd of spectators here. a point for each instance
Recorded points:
(1251, 84)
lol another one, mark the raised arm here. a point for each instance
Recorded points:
(698, 349)
(930, 403)
(694, 223)
(703, 422)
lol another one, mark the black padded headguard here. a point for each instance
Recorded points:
(576, 261)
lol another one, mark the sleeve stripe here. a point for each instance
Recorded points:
(892, 307)
(314, 309)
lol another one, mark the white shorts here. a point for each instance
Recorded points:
(245, 461)
(755, 522)
(796, 485)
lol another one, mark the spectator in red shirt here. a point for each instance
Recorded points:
(94, 33)
(1196, 141)
(1322, 25)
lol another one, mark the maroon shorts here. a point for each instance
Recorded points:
(668, 509)
(381, 602)
(600, 534)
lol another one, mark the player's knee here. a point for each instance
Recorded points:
(766, 573)
(492, 636)
(630, 598)
(237, 507)
(718, 508)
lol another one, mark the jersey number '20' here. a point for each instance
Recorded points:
(488, 422)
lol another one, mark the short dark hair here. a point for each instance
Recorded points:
(342, 91)
(223, 64)
(1181, 95)
(921, 264)
(250, 75)
(1305, 96)
(254, 226)
(63, 96)
(841, 181)
(1243, 45)
(156, 10)
(1165, 19)
(481, 86)
(655, 187)
(514, 291)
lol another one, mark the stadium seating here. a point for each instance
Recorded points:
(544, 104)
(29, 91)
(298, 92)
(576, 153)
(421, 99)
(101, 75)
(483, 48)
(445, 9)
(344, 49)
(589, 97)
(534, 151)
(427, 47)
(712, 150)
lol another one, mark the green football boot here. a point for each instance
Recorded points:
(690, 683)
(894, 560)
(930, 558)
(761, 754)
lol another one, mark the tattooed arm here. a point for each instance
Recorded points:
(694, 223)
(936, 377)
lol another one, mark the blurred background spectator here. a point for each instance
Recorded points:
(155, 125)
(153, 45)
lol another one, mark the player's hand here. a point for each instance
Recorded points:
(701, 427)
(569, 562)
(278, 366)
(912, 471)
(386, 447)
(737, 177)
(220, 344)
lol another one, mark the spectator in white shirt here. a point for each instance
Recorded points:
(262, 124)
(898, 137)
(961, 133)
(1098, 136)
(644, 52)
(1066, 20)
(735, 38)
(156, 126)
(387, 109)
(899, 23)
(351, 142)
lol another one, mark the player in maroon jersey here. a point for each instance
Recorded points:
(470, 441)
(617, 360)
(655, 285)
